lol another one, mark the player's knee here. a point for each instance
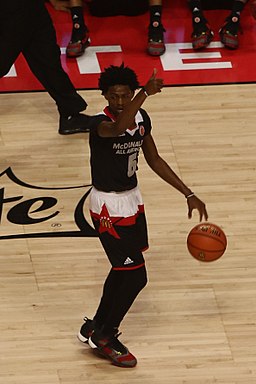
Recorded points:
(136, 277)
(142, 278)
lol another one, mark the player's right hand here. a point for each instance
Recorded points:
(195, 203)
(154, 84)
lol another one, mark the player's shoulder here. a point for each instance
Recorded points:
(143, 112)
(144, 116)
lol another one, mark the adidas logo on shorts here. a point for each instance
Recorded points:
(128, 261)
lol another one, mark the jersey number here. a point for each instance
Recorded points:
(132, 164)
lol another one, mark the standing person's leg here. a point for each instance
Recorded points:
(13, 37)
(202, 34)
(43, 57)
(156, 30)
(110, 288)
(80, 33)
(229, 32)
(120, 292)
(122, 243)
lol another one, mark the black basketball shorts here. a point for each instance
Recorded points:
(120, 222)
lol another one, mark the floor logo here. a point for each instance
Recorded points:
(42, 211)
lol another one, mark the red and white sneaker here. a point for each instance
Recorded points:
(156, 46)
(76, 47)
(113, 349)
(202, 40)
(202, 35)
(229, 33)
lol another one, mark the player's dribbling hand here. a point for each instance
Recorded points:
(195, 203)
(154, 84)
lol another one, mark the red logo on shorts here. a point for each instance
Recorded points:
(106, 224)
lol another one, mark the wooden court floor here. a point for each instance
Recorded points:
(194, 323)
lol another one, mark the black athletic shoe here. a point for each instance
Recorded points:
(86, 330)
(113, 349)
(229, 33)
(77, 46)
(156, 45)
(78, 123)
(202, 35)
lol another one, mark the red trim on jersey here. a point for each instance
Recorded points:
(126, 268)
(109, 113)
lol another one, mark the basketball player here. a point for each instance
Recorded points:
(26, 27)
(116, 207)
(202, 35)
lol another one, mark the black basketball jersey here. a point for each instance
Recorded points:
(114, 160)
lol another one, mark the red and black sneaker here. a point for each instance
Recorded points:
(156, 45)
(229, 33)
(86, 330)
(113, 349)
(77, 46)
(202, 35)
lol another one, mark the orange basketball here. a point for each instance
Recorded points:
(206, 242)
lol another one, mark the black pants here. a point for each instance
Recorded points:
(217, 4)
(26, 27)
(102, 8)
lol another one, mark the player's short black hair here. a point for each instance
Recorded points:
(115, 75)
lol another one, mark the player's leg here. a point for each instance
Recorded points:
(13, 36)
(122, 237)
(120, 291)
(123, 284)
(43, 57)
(80, 34)
(110, 288)
(202, 35)
(229, 31)
(156, 30)
(118, 296)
